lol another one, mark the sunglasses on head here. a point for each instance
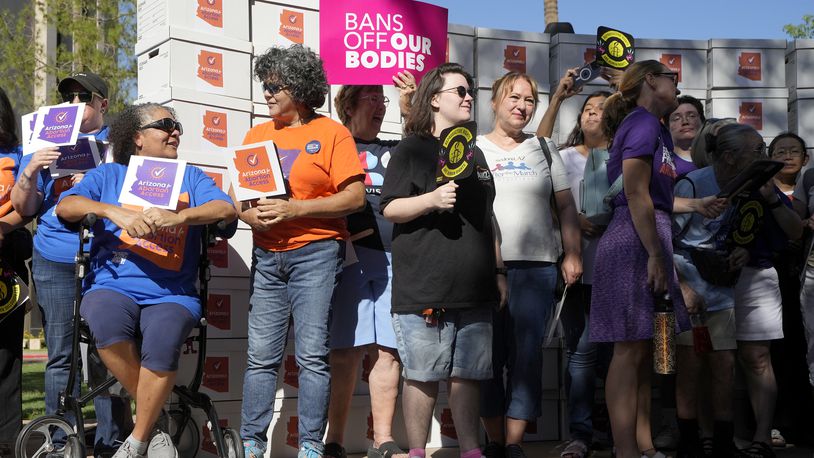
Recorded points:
(272, 88)
(168, 125)
(84, 96)
(462, 91)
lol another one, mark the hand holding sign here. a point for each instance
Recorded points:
(273, 211)
(162, 218)
(135, 223)
(42, 159)
(443, 198)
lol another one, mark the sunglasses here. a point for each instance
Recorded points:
(462, 91)
(168, 125)
(84, 97)
(272, 88)
(672, 75)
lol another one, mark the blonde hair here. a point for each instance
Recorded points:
(503, 85)
(619, 104)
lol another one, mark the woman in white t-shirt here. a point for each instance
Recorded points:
(529, 247)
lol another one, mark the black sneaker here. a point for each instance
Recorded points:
(494, 450)
(514, 451)
(334, 450)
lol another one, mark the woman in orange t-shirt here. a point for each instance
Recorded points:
(298, 249)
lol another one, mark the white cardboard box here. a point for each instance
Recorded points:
(764, 109)
(202, 68)
(232, 258)
(218, 19)
(461, 46)
(501, 51)
(799, 64)
(746, 63)
(224, 367)
(570, 50)
(802, 102)
(283, 25)
(486, 119)
(687, 57)
(228, 308)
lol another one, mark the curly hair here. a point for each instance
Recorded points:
(8, 123)
(577, 137)
(127, 124)
(297, 68)
(420, 120)
(348, 98)
(618, 105)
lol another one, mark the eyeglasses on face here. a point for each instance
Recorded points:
(672, 75)
(793, 152)
(84, 96)
(376, 99)
(168, 125)
(273, 88)
(462, 91)
(689, 117)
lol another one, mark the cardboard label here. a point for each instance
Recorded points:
(672, 62)
(447, 425)
(292, 372)
(152, 182)
(292, 437)
(292, 26)
(210, 67)
(589, 55)
(216, 177)
(216, 373)
(364, 42)
(215, 128)
(219, 311)
(514, 58)
(211, 12)
(749, 66)
(219, 254)
(751, 113)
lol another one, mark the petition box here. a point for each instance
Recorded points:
(192, 65)
(501, 51)
(461, 46)
(800, 64)
(569, 50)
(802, 102)
(218, 19)
(764, 109)
(232, 257)
(223, 371)
(227, 308)
(746, 63)
(688, 58)
(283, 25)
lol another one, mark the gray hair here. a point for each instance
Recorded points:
(127, 123)
(297, 68)
(731, 137)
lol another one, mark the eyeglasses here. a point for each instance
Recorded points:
(273, 88)
(168, 125)
(689, 117)
(462, 91)
(376, 99)
(84, 96)
(788, 152)
(672, 75)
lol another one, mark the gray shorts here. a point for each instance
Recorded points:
(460, 345)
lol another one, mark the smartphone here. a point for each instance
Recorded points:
(588, 72)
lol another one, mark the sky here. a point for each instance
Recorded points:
(683, 19)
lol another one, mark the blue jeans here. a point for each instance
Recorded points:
(54, 283)
(580, 379)
(518, 343)
(297, 283)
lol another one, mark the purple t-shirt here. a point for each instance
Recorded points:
(683, 166)
(642, 135)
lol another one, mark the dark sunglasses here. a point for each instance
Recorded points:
(272, 88)
(672, 75)
(84, 97)
(462, 91)
(168, 125)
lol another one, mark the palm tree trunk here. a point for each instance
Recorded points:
(551, 11)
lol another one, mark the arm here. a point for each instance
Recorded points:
(571, 241)
(74, 208)
(501, 278)
(13, 220)
(786, 217)
(405, 81)
(25, 197)
(406, 209)
(708, 207)
(209, 212)
(636, 172)
(349, 199)
(564, 90)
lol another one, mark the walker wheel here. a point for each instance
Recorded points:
(36, 439)
(233, 444)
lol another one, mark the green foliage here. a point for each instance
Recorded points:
(96, 35)
(804, 30)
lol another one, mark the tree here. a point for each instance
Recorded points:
(551, 11)
(93, 35)
(804, 30)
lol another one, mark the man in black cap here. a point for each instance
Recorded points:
(92, 90)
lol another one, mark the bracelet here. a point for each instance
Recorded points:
(777, 204)
(501, 271)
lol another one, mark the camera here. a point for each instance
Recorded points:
(586, 73)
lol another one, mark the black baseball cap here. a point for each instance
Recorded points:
(90, 81)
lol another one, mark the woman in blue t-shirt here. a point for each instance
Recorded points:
(143, 267)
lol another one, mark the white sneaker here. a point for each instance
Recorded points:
(161, 445)
(126, 451)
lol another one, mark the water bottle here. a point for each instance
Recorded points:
(664, 322)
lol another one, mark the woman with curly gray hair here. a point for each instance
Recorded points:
(298, 245)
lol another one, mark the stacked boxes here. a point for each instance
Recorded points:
(800, 78)
(747, 81)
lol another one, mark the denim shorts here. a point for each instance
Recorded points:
(163, 328)
(459, 345)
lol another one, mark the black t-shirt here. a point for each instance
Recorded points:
(441, 259)
(374, 156)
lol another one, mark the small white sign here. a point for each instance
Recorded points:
(255, 171)
(78, 158)
(153, 182)
(57, 125)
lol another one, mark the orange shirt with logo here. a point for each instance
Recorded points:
(316, 158)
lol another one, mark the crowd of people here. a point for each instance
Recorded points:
(450, 281)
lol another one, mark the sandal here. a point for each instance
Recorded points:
(385, 450)
(575, 449)
(758, 450)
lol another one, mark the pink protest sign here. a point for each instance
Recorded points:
(364, 42)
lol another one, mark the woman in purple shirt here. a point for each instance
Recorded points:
(634, 257)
